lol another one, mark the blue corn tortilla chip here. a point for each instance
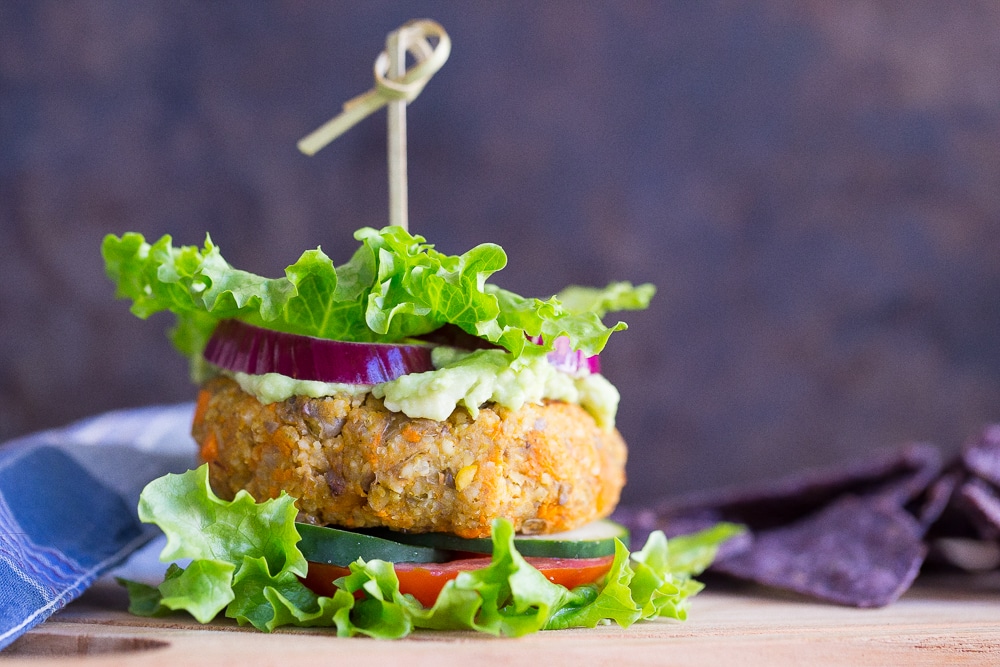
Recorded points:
(967, 534)
(821, 533)
(982, 457)
(856, 534)
(931, 505)
(856, 551)
(983, 504)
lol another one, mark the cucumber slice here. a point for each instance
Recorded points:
(333, 546)
(594, 540)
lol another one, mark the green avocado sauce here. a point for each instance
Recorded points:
(462, 378)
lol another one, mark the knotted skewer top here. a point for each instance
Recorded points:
(395, 87)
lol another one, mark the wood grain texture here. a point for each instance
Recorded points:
(954, 622)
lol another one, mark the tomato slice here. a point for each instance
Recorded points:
(424, 581)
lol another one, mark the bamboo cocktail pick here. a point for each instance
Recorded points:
(395, 87)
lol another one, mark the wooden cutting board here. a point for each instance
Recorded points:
(952, 621)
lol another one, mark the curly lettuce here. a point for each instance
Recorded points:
(395, 286)
(244, 563)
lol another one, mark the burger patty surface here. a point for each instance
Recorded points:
(351, 462)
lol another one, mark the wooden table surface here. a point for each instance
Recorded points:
(954, 621)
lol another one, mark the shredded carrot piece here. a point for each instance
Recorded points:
(410, 434)
(204, 396)
(210, 448)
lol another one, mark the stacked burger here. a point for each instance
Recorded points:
(401, 400)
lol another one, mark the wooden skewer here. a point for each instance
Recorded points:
(395, 87)
(396, 143)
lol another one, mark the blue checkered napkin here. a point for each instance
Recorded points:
(68, 505)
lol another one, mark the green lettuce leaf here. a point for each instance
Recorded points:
(203, 588)
(612, 601)
(394, 287)
(245, 562)
(509, 597)
(383, 612)
(615, 297)
(201, 526)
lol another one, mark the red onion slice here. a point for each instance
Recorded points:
(568, 360)
(241, 347)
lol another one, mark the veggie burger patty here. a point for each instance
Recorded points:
(351, 462)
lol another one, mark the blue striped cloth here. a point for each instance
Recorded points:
(68, 502)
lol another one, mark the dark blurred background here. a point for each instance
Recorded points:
(812, 185)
